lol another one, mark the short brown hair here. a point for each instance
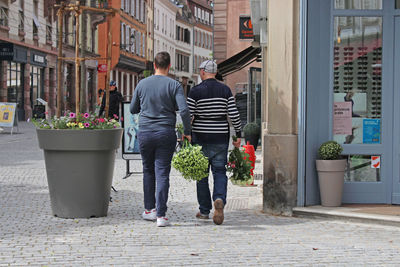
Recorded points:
(162, 60)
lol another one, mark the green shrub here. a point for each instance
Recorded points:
(330, 150)
(251, 128)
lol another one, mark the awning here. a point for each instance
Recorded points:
(238, 61)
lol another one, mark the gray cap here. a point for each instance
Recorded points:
(209, 66)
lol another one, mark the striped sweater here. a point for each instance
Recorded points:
(210, 104)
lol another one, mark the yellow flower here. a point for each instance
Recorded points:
(81, 125)
(68, 124)
(73, 124)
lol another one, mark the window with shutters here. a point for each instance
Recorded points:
(123, 4)
(138, 43)
(137, 10)
(144, 45)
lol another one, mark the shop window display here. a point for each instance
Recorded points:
(357, 80)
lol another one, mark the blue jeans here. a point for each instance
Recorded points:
(157, 149)
(217, 156)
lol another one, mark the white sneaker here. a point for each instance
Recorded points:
(162, 221)
(150, 215)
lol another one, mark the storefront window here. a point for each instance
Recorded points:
(37, 88)
(358, 4)
(363, 168)
(15, 84)
(357, 80)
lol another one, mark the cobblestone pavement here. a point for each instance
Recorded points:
(31, 236)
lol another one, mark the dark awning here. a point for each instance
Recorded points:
(238, 61)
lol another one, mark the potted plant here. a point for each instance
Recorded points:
(79, 152)
(252, 134)
(331, 170)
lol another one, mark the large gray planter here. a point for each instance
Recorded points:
(80, 166)
(331, 180)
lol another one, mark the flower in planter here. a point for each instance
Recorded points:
(73, 121)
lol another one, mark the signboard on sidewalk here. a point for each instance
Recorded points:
(7, 114)
(130, 123)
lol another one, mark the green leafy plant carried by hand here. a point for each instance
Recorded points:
(239, 164)
(330, 150)
(191, 162)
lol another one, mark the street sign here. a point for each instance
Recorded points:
(245, 28)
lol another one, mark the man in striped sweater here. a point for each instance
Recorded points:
(210, 104)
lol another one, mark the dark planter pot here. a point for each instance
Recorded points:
(79, 166)
(252, 139)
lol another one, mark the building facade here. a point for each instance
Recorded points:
(202, 34)
(28, 56)
(150, 34)
(329, 57)
(129, 39)
(164, 30)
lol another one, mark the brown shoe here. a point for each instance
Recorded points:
(200, 215)
(218, 217)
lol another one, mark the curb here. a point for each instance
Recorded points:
(306, 212)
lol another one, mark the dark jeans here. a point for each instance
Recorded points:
(217, 156)
(156, 149)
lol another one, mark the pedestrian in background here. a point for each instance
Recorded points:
(115, 100)
(211, 103)
(156, 99)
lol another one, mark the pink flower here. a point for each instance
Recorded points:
(86, 115)
(101, 120)
(115, 116)
(86, 124)
(122, 118)
(72, 115)
(233, 165)
(46, 113)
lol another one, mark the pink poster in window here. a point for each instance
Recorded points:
(342, 118)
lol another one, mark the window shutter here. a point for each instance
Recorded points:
(144, 45)
(134, 41)
(122, 34)
(137, 43)
(142, 11)
(127, 40)
(137, 9)
(133, 8)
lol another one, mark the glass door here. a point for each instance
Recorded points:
(360, 98)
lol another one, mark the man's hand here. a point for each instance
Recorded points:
(237, 142)
(188, 137)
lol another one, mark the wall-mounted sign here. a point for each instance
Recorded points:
(342, 123)
(245, 28)
(38, 59)
(7, 114)
(102, 68)
(6, 51)
(371, 131)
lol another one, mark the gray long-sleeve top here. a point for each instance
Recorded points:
(156, 99)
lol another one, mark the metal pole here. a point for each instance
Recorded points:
(77, 62)
(109, 46)
(59, 62)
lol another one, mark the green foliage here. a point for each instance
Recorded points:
(239, 164)
(81, 121)
(251, 128)
(191, 162)
(146, 73)
(330, 150)
(179, 128)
